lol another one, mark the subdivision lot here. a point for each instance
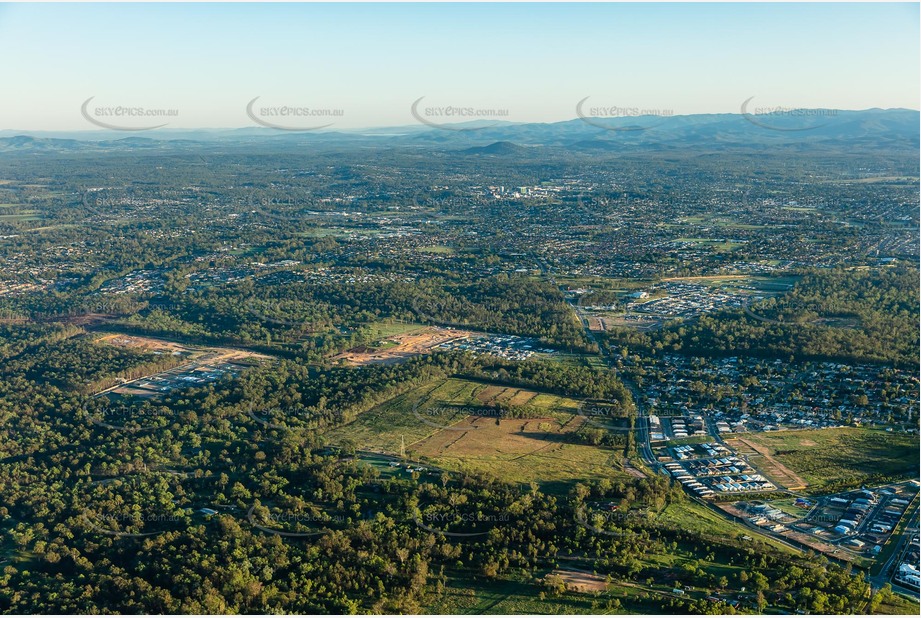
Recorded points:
(759, 456)
(402, 346)
(201, 364)
(833, 459)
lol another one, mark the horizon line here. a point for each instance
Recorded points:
(422, 127)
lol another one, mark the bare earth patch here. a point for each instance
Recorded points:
(407, 346)
(580, 581)
(761, 455)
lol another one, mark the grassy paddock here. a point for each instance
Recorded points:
(455, 427)
(831, 460)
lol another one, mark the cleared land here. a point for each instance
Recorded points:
(846, 457)
(402, 346)
(203, 364)
(759, 456)
(581, 581)
(453, 424)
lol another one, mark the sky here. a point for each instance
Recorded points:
(366, 64)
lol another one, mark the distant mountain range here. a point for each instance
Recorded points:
(885, 130)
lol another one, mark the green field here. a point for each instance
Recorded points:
(506, 597)
(451, 425)
(719, 245)
(788, 505)
(692, 516)
(383, 330)
(840, 458)
(25, 215)
(436, 249)
(381, 428)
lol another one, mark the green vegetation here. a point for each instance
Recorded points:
(885, 601)
(514, 434)
(286, 490)
(832, 460)
(850, 315)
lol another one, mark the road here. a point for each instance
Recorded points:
(644, 449)
(642, 418)
(888, 570)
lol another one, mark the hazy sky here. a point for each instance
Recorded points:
(372, 61)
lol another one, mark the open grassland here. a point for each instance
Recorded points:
(383, 427)
(507, 597)
(453, 424)
(521, 450)
(22, 215)
(831, 460)
(385, 329)
(692, 516)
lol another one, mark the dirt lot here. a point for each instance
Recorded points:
(150, 344)
(196, 362)
(760, 456)
(407, 346)
(580, 581)
(634, 472)
(143, 344)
